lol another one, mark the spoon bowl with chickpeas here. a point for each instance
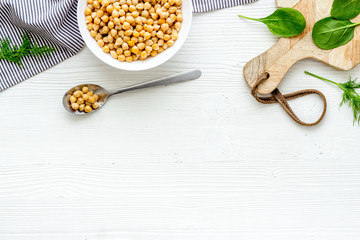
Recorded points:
(87, 98)
(134, 34)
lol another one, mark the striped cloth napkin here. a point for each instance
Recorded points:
(53, 23)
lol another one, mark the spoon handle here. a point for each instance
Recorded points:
(176, 78)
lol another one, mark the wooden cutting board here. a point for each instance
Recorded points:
(287, 51)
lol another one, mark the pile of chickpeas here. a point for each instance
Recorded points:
(134, 29)
(84, 100)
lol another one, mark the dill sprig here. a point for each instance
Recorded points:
(350, 97)
(14, 53)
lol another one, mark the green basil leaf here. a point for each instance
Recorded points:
(329, 33)
(284, 22)
(345, 9)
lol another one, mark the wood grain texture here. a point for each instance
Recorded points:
(180, 162)
(287, 51)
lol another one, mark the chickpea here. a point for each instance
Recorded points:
(77, 94)
(172, 9)
(147, 6)
(113, 32)
(121, 33)
(169, 21)
(81, 107)
(127, 53)
(160, 42)
(143, 55)
(90, 26)
(85, 89)
(95, 105)
(89, 19)
(130, 19)
(93, 33)
(87, 109)
(164, 27)
(178, 26)
(179, 17)
(136, 34)
(105, 3)
(135, 57)
(126, 26)
(149, 42)
(96, 4)
(153, 53)
(85, 97)
(170, 43)
(156, 27)
(117, 21)
(91, 99)
(119, 51)
(72, 99)
(113, 54)
(131, 43)
(147, 35)
(134, 40)
(155, 47)
(87, 11)
(148, 49)
(167, 37)
(105, 29)
(109, 9)
(132, 8)
(105, 18)
(119, 41)
(101, 43)
(140, 6)
(145, 13)
(135, 49)
(98, 37)
(135, 14)
(160, 34)
(121, 58)
(106, 49)
(80, 100)
(128, 32)
(75, 106)
(99, 13)
(125, 7)
(90, 93)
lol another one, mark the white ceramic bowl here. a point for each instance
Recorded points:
(139, 65)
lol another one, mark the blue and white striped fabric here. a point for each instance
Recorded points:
(48, 23)
(53, 23)
(210, 5)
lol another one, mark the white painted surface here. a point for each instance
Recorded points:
(200, 160)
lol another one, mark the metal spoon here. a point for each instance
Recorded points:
(105, 94)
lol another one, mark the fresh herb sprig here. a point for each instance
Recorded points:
(14, 53)
(350, 97)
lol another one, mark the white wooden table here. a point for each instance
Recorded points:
(200, 160)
